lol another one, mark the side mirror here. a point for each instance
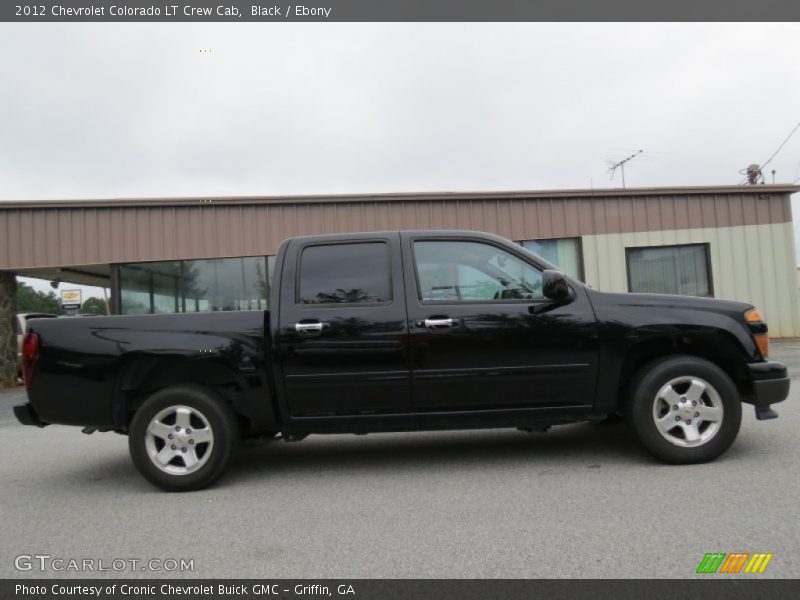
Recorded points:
(554, 285)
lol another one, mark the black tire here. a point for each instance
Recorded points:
(642, 407)
(214, 414)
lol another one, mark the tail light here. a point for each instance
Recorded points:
(759, 329)
(30, 352)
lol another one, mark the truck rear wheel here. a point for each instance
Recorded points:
(684, 409)
(182, 437)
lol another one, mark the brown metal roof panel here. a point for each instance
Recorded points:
(750, 211)
(722, 210)
(666, 209)
(13, 237)
(709, 211)
(76, 241)
(396, 197)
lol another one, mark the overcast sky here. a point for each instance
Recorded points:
(103, 111)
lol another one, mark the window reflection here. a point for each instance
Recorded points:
(195, 285)
(356, 273)
(464, 271)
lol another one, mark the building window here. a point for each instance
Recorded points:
(357, 273)
(473, 271)
(565, 253)
(194, 285)
(684, 269)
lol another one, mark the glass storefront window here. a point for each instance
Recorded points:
(149, 288)
(565, 253)
(270, 269)
(194, 285)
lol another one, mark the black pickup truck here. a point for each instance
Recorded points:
(400, 331)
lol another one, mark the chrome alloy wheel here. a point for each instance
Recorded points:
(688, 411)
(179, 440)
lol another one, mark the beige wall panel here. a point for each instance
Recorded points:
(777, 256)
(617, 277)
(750, 263)
(791, 261)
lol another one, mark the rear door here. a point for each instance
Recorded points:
(482, 335)
(342, 329)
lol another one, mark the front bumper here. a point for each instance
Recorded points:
(770, 384)
(27, 416)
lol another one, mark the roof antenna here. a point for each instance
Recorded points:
(753, 174)
(621, 166)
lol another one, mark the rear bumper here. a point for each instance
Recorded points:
(770, 383)
(27, 416)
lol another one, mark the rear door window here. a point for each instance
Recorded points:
(354, 273)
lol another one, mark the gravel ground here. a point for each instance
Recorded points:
(580, 501)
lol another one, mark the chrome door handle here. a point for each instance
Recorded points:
(438, 323)
(309, 328)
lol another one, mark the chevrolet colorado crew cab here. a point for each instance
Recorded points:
(402, 331)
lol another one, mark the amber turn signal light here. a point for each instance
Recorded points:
(753, 317)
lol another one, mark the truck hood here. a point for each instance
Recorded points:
(727, 307)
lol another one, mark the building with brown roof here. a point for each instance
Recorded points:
(203, 254)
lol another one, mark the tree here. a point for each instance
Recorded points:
(31, 300)
(8, 338)
(94, 306)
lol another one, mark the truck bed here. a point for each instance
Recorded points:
(91, 371)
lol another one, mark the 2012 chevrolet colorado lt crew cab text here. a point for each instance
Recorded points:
(400, 331)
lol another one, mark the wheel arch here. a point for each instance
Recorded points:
(246, 393)
(720, 348)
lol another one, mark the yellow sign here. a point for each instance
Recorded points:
(70, 297)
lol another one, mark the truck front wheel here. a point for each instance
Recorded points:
(684, 409)
(182, 437)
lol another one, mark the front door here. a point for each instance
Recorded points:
(482, 335)
(342, 328)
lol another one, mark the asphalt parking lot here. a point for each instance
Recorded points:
(580, 501)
